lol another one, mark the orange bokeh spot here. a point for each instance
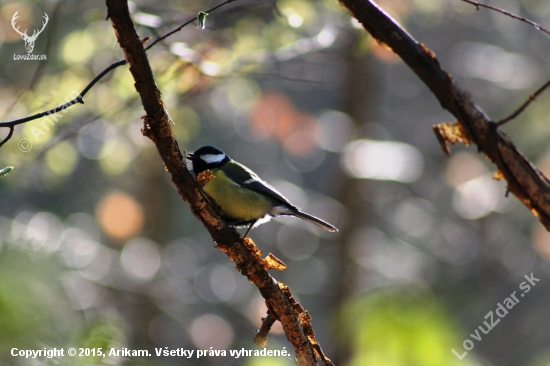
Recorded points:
(303, 139)
(272, 114)
(275, 116)
(120, 216)
(263, 119)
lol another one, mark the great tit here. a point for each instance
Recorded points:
(245, 199)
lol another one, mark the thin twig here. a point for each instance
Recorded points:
(7, 137)
(511, 15)
(186, 24)
(41, 65)
(79, 98)
(260, 339)
(523, 179)
(538, 27)
(530, 99)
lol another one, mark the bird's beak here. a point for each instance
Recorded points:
(189, 156)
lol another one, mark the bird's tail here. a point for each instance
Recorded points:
(315, 220)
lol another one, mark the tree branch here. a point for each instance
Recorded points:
(185, 24)
(522, 107)
(8, 136)
(524, 180)
(80, 97)
(157, 127)
(511, 15)
(41, 65)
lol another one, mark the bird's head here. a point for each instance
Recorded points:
(207, 157)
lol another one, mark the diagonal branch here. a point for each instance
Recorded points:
(157, 128)
(79, 98)
(186, 24)
(524, 180)
(511, 15)
(8, 136)
(41, 65)
(522, 107)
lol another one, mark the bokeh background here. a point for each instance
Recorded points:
(97, 249)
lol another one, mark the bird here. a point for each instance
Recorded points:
(245, 199)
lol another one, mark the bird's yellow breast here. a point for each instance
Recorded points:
(236, 202)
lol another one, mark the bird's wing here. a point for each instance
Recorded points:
(248, 179)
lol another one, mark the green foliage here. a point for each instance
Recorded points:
(35, 314)
(103, 334)
(30, 313)
(5, 171)
(399, 327)
(201, 19)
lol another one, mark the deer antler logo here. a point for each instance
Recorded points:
(29, 40)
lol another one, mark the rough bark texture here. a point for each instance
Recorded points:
(524, 180)
(157, 128)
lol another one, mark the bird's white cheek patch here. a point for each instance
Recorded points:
(212, 159)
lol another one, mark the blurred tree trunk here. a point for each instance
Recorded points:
(359, 88)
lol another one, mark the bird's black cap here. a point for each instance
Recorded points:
(207, 157)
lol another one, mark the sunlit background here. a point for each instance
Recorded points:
(97, 249)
